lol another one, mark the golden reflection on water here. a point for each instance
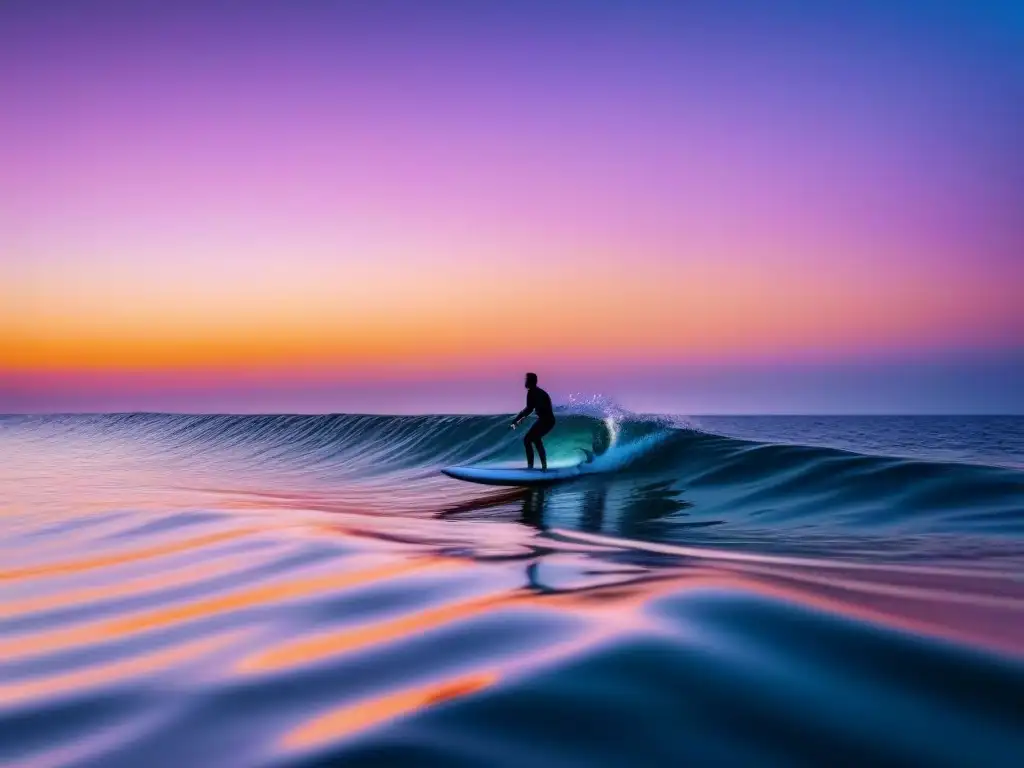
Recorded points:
(116, 671)
(119, 628)
(120, 558)
(349, 719)
(309, 650)
(131, 588)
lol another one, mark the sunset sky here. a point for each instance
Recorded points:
(399, 207)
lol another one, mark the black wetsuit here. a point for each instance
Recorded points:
(538, 401)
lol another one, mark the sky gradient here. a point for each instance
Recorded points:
(401, 206)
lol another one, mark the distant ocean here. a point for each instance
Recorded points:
(305, 590)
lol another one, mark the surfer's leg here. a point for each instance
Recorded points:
(528, 444)
(537, 431)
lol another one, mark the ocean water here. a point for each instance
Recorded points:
(306, 590)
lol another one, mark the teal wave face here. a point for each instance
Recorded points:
(392, 465)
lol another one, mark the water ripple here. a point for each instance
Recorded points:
(289, 623)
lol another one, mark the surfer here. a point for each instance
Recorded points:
(539, 401)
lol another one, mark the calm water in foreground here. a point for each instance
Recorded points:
(291, 591)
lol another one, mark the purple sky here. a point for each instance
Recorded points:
(400, 206)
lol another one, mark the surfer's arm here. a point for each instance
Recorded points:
(525, 412)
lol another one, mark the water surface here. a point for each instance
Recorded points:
(284, 590)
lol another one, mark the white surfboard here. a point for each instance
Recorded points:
(513, 477)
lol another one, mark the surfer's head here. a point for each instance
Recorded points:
(531, 380)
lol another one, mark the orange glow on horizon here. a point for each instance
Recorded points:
(711, 316)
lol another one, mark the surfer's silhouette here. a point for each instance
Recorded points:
(537, 400)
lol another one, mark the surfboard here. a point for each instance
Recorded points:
(513, 477)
